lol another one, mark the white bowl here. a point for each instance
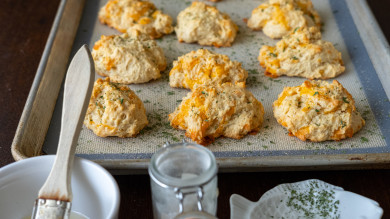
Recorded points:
(95, 192)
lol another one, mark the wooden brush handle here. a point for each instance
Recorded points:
(77, 92)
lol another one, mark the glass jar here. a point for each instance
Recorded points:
(183, 181)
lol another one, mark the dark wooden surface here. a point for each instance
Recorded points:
(25, 25)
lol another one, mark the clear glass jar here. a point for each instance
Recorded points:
(183, 181)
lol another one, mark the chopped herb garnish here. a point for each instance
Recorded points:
(315, 93)
(364, 139)
(294, 58)
(365, 113)
(317, 111)
(345, 100)
(314, 202)
(170, 92)
(121, 100)
(343, 124)
(273, 54)
(295, 30)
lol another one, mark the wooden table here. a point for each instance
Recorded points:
(25, 25)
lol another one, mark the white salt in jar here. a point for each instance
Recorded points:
(183, 181)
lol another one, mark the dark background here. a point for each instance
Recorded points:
(25, 26)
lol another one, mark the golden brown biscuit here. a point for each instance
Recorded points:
(205, 67)
(205, 25)
(142, 15)
(114, 110)
(128, 58)
(210, 111)
(302, 54)
(278, 17)
(318, 111)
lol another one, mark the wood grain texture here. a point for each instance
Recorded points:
(77, 92)
(25, 28)
(34, 131)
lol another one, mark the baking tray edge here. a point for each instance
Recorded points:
(35, 120)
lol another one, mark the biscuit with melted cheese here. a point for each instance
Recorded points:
(114, 110)
(128, 59)
(279, 17)
(142, 15)
(302, 54)
(318, 111)
(211, 111)
(205, 67)
(205, 25)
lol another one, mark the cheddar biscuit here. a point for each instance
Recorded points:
(205, 67)
(205, 25)
(210, 111)
(318, 111)
(128, 58)
(142, 15)
(278, 17)
(114, 110)
(302, 54)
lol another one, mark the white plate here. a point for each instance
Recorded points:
(307, 199)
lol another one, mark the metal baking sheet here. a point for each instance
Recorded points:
(271, 148)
